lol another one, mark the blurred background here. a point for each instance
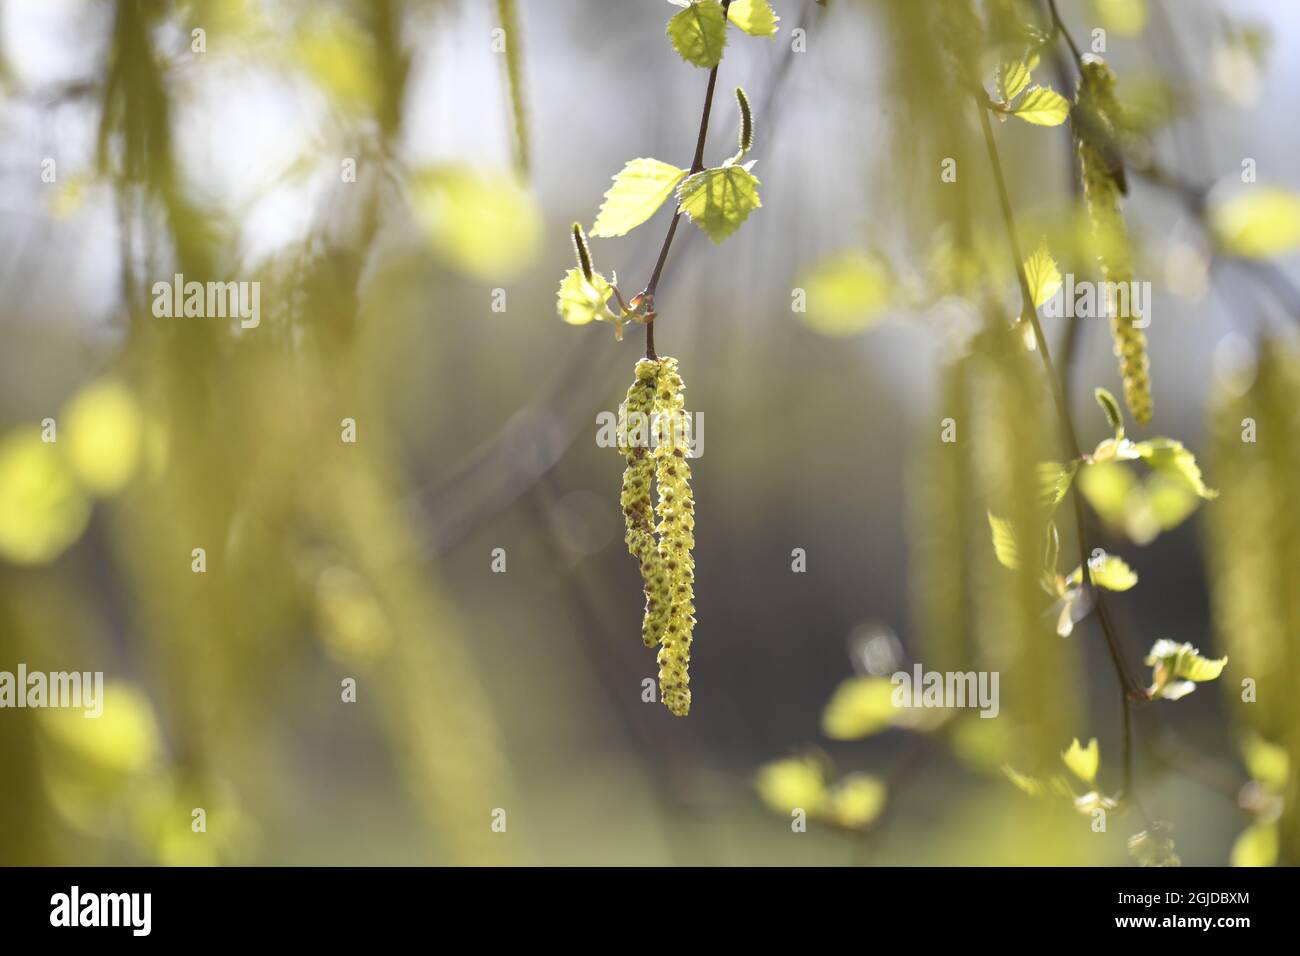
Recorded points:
(400, 177)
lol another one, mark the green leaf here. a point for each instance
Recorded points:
(860, 707)
(846, 294)
(1054, 481)
(580, 301)
(1004, 542)
(1268, 763)
(719, 200)
(1257, 845)
(1111, 407)
(1169, 457)
(699, 33)
(755, 17)
(1042, 106)
(1261, 222)
(1113, 574)
(1125, 18)
(485, 223)
(1012, 78)
(1178, 668)
(1055, 785)
(43, 509)
(639, 189)
(1083, 762)
(1042, 274)
(796, 783)
(856, 800)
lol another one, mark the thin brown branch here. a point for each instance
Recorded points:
(697, 164)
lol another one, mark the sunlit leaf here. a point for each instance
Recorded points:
(1042, 106)
(796, 783)
(1178, 668)
(860, 706)
(639, 189)
(1112, 574)
(1259, 222)
(1082, 761)
(846, 294)
(103, 436)
(856, 800)
(1268, 763)
(719, 200)
(1054, 480)
(1042, 274)
(1126, 18)
(43, 509)
(579, 301)
(1170, 457)
(1012, 78)
(755, 17)
(699, 33)
(1257, 845)
(1004, 542)
(123, 739)
(484, 223)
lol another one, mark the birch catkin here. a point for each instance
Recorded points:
(634, 442)
(676, 529)
(1102, 172)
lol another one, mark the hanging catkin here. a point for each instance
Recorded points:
(676, 528)
(634, 442)
(1254, 557)
(1102, 172)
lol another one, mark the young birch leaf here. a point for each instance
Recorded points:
(1042, 106)
(755, 17)
(1178, 668)
(1043, 275)
(1111, 407)
(719, 200)
(639, 190)
(860, 707)
(1257, 224)
(1082, 761)
(699, 33)
(1054, 481)
(579, 300)
(1012, 78)
(1169, 457)
(1113, 574)
(1004, 542)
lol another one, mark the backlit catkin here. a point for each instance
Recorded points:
(676, 529)
(634, 434)
(1102, 172)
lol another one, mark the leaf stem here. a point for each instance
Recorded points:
(697, 164)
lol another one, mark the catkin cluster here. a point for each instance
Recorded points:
(1102, 171)
(652, 438)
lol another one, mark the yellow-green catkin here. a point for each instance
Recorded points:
(1101, 169)
(1009, 433)
(1254, 558)
(676, 529)
(634, 442)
